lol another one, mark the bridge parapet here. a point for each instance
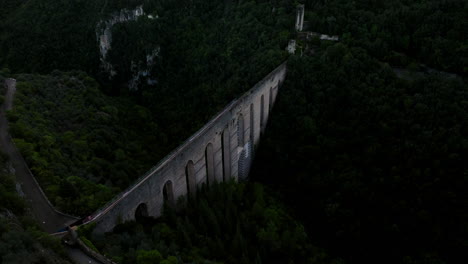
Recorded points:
(220, 150)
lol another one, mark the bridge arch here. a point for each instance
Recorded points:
(168, 193)
(270, 101)
(226, 153)
(262, 110)
(252, 124)
(190, 178)
(276, 90)
(209, 164)
(141, 211)
(240, 131)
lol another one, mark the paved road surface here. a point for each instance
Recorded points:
(51, 221)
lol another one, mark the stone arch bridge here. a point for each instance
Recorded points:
(221, 150)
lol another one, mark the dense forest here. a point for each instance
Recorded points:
(401, 32)
(81, 145)
(188, 33)
(373, 165)
(227, 223)
(39, 36)
(363, 159)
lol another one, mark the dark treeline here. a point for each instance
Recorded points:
(401, 32)
(228, 223)
(375, 166)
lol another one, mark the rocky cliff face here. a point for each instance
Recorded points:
(139, 69)
(104, 28)
(142, 70)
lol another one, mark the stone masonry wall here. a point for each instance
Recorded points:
(223, 133)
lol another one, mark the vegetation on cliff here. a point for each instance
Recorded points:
(39, 36)
(204, 44)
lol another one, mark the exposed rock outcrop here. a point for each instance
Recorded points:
(104, 33)
(139, 69)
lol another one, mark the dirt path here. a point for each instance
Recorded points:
(49, 219)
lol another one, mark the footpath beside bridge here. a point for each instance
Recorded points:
(221, 150)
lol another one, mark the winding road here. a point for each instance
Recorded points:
(50, 219)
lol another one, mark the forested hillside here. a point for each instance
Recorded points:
(82, 146)
(188, 33)
(85, 146)
(43, 35)
(372, 164)
(361, 165)
(401, 32)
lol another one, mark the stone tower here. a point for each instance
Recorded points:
(299, 17)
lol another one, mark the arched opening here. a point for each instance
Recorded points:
(190, 178)
(168, 193)
(242, 165)
(240, 131)
(262, 109)
(141, 212)
(270, 100)
(252, 136)
(209, 164)
(276, 91)
(226, 153)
